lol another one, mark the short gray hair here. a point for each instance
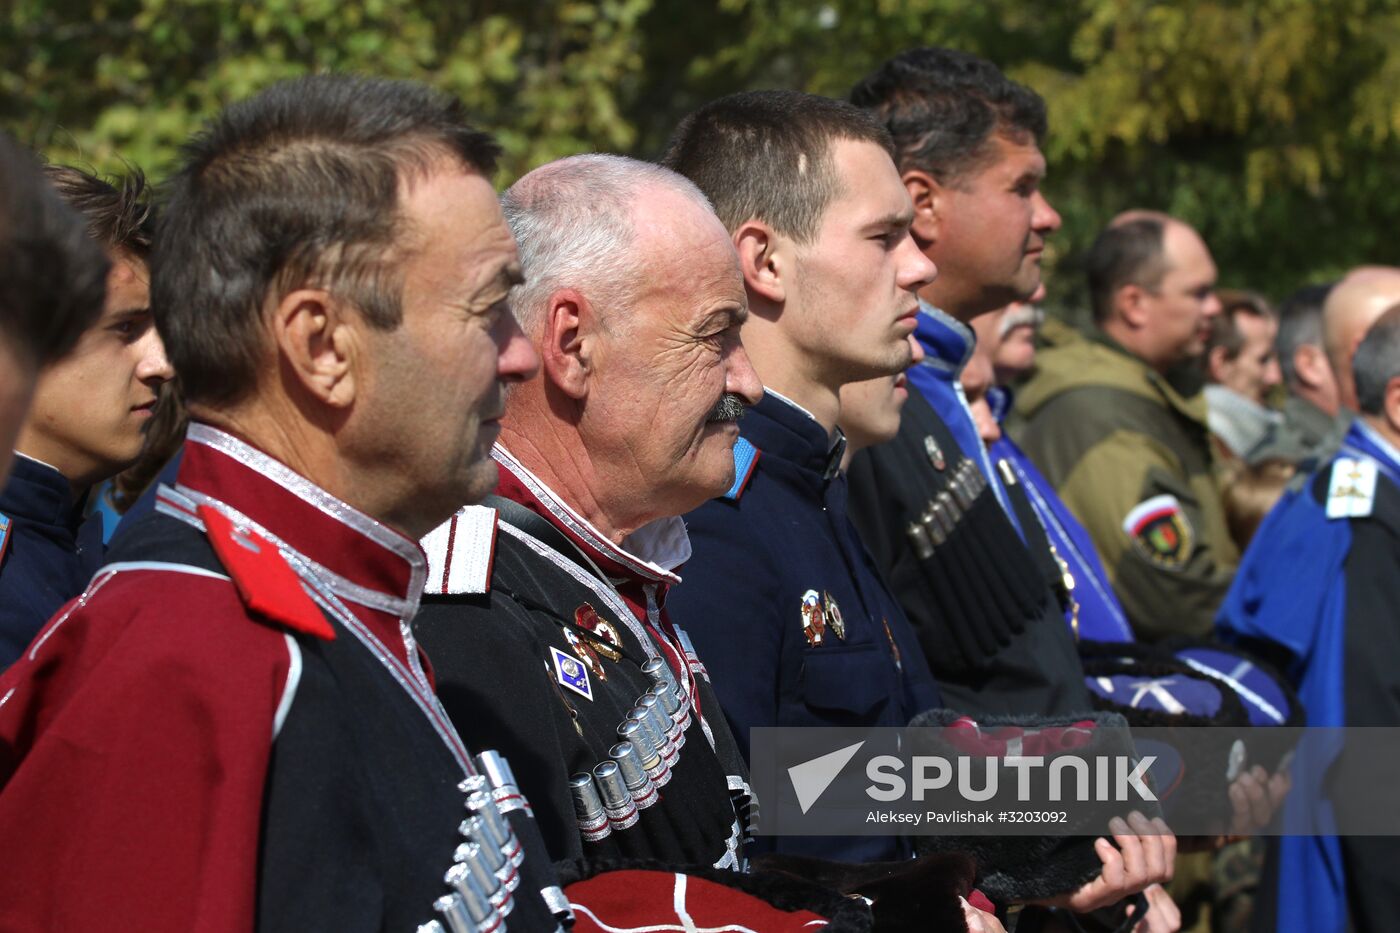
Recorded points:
(573, 223)
(1377, 361)
(1299, 325)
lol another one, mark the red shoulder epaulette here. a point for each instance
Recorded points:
(263, 577)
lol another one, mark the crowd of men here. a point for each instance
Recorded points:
(501, 523)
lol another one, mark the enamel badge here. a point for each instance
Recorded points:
(4, 534)
(813, 618)
(571, 674)
(834, 619)
(585, 653)
(935, 453)
(1351, 491)
(587, 618)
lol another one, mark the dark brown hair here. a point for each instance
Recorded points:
(766, 156)
(298, 185)
(118, 213)
(943, 108)
(1129, 253)
(53, 276)
(1224, 331)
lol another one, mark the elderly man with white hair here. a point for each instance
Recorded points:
(546, 607)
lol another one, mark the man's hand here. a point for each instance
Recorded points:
(1145, 855)
(979, 921)
(1255, 797)
(1162, 913)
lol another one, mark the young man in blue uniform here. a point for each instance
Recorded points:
(781, 600)
(87, 419)
(1320, 584)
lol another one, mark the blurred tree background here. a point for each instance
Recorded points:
(1273, 125)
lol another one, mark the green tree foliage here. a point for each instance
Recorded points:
(1274, 125)
(101, 80)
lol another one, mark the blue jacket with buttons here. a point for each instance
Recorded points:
(780, 532)
(48, 553)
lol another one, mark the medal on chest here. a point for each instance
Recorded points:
(834, 620)
(813, 618)
(934, 453)
(583, 649)
(608, 641)
(569, 673)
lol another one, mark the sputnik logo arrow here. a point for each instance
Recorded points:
(811, 778)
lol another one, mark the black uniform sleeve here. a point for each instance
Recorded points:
(1372, 695)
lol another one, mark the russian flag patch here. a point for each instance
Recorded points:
(1160, 531)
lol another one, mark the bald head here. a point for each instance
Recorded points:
(1139, 213)
(1353, 305)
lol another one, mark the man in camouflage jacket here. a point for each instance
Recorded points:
(1127, 452)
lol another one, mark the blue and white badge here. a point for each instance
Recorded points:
(4, 534)
(571, 673)
(1351, 492)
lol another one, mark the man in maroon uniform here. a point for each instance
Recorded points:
(232, 727)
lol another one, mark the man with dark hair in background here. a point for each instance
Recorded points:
(1127, 452)
(52, 281)
(986, 604)
(1310, 413)
(1241, 367)
(233, 727)
(1320, 585)
(87, 420)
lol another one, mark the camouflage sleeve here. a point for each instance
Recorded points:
(1149, 526)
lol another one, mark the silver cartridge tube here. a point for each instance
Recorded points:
(661, 773)
(588, 808)
(475, 865)
(665, 725)
(496, 825)
(622, 812)
(639, 784)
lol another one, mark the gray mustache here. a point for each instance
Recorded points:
(730, 407)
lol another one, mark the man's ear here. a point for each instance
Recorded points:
(930, 205)
(318, 337)
(766, 260)
(1392, 403)
(1310, 365)
(567, 341)
(1130, 303)
(1215, 364)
